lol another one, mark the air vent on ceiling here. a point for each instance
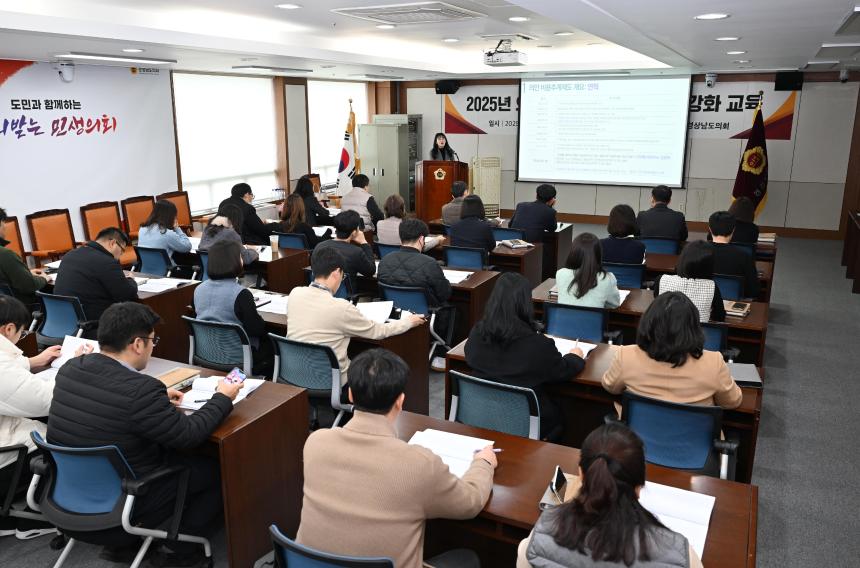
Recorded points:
(820, 65)
(412, 13)
(838, 50)
(851, 24)
(511, 37)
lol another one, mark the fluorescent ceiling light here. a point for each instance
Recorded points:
(586, 74)
(119, 58)
(132, 50)
(712, 16)
(727, 38)
(265, 68)
(544, 46)
(741, 61)
(451, 40)
(288, 6)
(563, 33)
(826, 45)
(834, 62)
(735, 52)
(386, 26)
(518, 19)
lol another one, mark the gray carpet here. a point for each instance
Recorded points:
(806, 468)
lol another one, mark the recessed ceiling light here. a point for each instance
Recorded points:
(386, 26)
(288, 6)
(118, 58)
(544, 46)
(727, 38)
(712, 16)
(451, 40)
(326, 66)
(268, 69)
(741, 61)
(132, 50)
(518, 19)
(563, 33)
(249, 59)
(735, 52)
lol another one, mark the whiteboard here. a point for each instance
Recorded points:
(59, 160)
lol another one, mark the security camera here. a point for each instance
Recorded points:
(66, 71)
(710, 79)
(843, 76)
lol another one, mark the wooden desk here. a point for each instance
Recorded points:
(851, 250)
(525, 468)
(584, 402)
(170, 305)
(657, 264)
(747, 334)
(412, 346)
(527, 261)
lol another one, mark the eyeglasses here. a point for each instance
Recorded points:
(154, 340)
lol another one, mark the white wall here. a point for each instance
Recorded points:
(297, 132)
(806, 173)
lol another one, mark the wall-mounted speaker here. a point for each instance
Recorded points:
(447, 87)
(788, 81)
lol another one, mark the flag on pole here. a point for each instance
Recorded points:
(350, 163)
(751, 180)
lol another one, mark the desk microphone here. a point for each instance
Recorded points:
(456, 155)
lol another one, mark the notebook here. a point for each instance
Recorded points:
(456, 276)
(179, 378)
(564, 345)
(270, 302)
(682, 511)
(745, 374)
(156, 285)
(376, 311)
(204, 388)
(737, 309)
(456, 451)
(70, 345)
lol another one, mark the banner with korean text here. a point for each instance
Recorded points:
(106, 135)
(726, 110)
(485, 109)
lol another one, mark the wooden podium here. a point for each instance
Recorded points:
(433, 180)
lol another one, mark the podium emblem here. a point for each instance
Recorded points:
(439, 174)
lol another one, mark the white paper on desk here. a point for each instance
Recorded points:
(564, 345)
(376, 311)
(456, 276)
(161, 284)
(455, 450)
(623, 294)
(320, 231)
(203, 388)
(70, 345)
(333, 211)
(684, 512)
(55, 264)
(195, 243)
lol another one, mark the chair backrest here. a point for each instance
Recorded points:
(218, 345)
(309, 366)
(574, 322)
(495, 406)
(410, 298)
(51, 230)
(292, 241)
(290, 554)
(676, 435)
(183, 206)
(102, 215)
(13, 235)
(626, 275)
(749, 248)
(504, 233)
(315, 182)
(135, 210)
(465, 257)
(5, 290)
(85, 485)
(345, 290)
(386, 249)
(716, 336)
(153, 261)
(660, 245)
(204, 264)
(62, 315)
(731, 287)
(446, 229)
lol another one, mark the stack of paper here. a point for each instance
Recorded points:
(623, 294)
(682, 511)
(70, 346)
(333, 211)
(320, 231)
(156, 285)
(195, 243)
(270, 302)
(375, 311)
(767, 237)
(55, 265)
(456, 276)
(564, 345)
(204, 388)
(456, 451)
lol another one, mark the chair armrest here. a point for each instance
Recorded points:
(648, 284)
(139, 488)
(88, 324)
(728, 447)
(21, 450)
(613, 337)
(731, 353)
(612, 418)
(38, 465)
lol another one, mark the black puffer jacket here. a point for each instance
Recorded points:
(98, 402)
(95, 277)
(409, 267)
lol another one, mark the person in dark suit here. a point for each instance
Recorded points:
(660, 221)
(349, 241)
(472, 230)
(729, 259)
(621, 246)
(746, 231)
(253, 230)
(536, 217)
(315, 212)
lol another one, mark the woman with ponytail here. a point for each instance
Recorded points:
(605, 525)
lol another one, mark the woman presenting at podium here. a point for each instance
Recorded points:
(441, 150)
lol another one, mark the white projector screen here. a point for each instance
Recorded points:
(629, 131)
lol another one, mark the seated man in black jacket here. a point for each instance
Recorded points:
(660, 221)
(254, 231)
(349, 241)
(410, 267)
(536, 217)
(729, 259)
(104, 399)
(92, 273)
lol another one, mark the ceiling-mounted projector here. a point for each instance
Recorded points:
(504, 55)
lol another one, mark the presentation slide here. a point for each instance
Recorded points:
(625, 131)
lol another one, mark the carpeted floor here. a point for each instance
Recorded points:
(805, 461)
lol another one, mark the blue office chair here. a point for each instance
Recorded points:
(292, 241)
(749, 248)
(61, 316)
(153, 261)
(504, 234)
(626, 275)
(386, 249)
(731, 287)
(681, 436)
(5, 290)
(577, 322)
(716, 339)
(218, 345)
(660, 245)
(416, 301)
(312, 367)
(94, 489)
(345, 291)
(18, 465)
(290, 554)
(495, 406)
(446, 229)
(465, 257)
(204, 266)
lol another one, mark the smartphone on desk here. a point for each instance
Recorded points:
(554, 494)
(235, 376)
(739, 306)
